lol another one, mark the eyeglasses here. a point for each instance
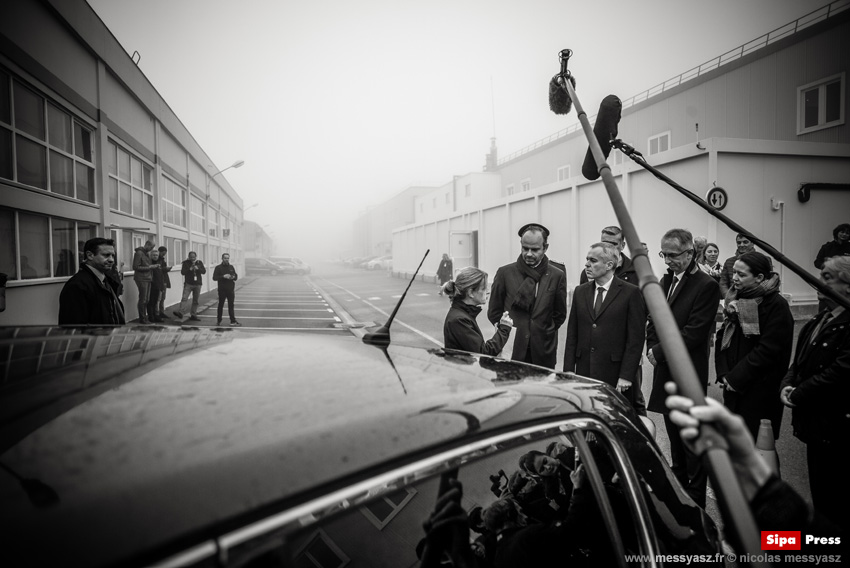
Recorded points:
(673, 255)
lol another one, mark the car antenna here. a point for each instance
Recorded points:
(381, 336)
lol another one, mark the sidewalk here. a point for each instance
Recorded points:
(206, 301)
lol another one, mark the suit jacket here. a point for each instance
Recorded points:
(694, 306)
(83, 300)
(820, 373)
(607, 346)
(540, 328)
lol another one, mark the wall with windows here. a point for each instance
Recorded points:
(89, 148)
(768, 122)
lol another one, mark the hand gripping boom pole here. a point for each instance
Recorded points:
(710, 444)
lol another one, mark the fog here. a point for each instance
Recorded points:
(336, 105)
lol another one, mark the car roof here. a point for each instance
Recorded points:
(172, 442)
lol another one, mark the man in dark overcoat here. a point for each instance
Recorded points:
(90, 297)
(534, 291)
(606, 328)
(693, 296)
(817, 389)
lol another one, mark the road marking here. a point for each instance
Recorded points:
(379, 310)
(424, 294)
(373, 298)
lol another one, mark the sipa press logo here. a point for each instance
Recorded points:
(781, 540)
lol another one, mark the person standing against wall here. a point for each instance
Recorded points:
(226, 277)
(445, 271)
(164, 269)
(142, 267)
(745, 245)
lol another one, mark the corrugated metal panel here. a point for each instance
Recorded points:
(762, 102)
(792, 65)
(738, 103)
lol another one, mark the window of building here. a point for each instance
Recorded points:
(173, 202)
(659, 143)
(213, 217)
(198, 217)
(321, 552)
(510, 189)
(563, 173)
(382, 510)
(42, 145)
(176, 250)
(37, 246)
(448, 198)
(820, 104)
(467, 190)
(130, 187)
(525, 184)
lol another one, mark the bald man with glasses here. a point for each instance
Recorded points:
(693, 297)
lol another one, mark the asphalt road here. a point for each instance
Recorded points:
(335, 299)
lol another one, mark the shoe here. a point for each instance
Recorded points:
(157, 320)
(194, 318)
(178, 314)
(144, 321)
(218, 323)
(235, 323)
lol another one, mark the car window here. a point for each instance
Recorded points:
(587, 505)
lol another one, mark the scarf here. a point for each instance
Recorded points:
(524, 297)
(741, 309)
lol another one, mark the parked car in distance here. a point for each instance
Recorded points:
(380, 263)
(261, 266)
(136, 446)
(295, 261)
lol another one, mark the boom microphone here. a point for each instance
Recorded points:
(605, 130)
(559, 99)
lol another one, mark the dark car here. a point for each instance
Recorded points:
(132, 446)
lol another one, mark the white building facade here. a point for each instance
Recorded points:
(89, 148)
(771, 121)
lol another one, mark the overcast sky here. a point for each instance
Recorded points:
(336, 105)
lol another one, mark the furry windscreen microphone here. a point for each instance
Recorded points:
(605, 130)
(559, 99)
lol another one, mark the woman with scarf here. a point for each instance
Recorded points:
(753, 347)
(467, 292)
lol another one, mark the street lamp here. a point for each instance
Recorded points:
(236, 164)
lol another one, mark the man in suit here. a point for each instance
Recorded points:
(90, 297)
(535, 293)
(625, 269)
(693, 296)
(817, 390)
(606, 328)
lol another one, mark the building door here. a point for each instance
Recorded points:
(463, 249)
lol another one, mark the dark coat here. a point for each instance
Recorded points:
(832, 248)
(626, 271)
(820, 374)
(726, 273)
(445, 272)
(694, 306)
(164, 269)
(754, 366)
(540, 328)
(461, 331)
(84, 300)
(193, 277)
(224, 283)
(609, 346)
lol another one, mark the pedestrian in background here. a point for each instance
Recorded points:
(157, 288)
(753, 346)
(467, 292)
(693, 297)
(89, 297)
(838, 246)
(625, 269)
(445, 271)
(142, 276)
(744, 245)
(193, 271)
(535, 293)
(817, 390)
(164, 269)
(225, 275)
(709, 263)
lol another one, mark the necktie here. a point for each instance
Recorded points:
(597, 306)
(672, 287)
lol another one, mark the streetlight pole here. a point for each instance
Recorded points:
(236, 164)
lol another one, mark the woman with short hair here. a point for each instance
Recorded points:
(467, 292)
(753, 347)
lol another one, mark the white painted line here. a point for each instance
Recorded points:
(283, 328)
(373, 298)
(272, 318)
(379, 310)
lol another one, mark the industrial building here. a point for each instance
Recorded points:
(88, 147)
